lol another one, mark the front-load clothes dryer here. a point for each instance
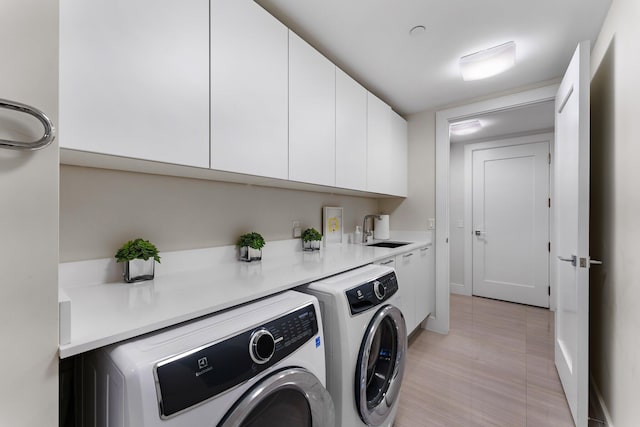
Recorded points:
(366, 343)
(257, 365)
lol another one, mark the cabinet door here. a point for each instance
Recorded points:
(425, 294)
(134, 79)
(378, 145)
(406, 272)
(249, 90)
(312, 81)
(398, 159)
(431, 279)
(351, 133)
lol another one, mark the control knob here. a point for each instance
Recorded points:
(262, 345)
(379, 290)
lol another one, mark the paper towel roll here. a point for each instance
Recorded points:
(381, 228)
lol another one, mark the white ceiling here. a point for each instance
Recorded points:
(370, 40)
(512, 122)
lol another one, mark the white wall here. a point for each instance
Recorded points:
(29, 220)
(100, 209)
(456, 214)
(615, 210)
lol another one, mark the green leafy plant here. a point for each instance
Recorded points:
(252, 240)
(311, 234)
(137, 249)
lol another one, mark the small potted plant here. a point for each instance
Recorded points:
(250, 247)
(139, 257)
(311, 239)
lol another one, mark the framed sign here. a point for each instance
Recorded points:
(332, 228)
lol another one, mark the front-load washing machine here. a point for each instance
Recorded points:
(366, 343)
(257, 365)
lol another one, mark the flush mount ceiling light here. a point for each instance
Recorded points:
(417, 31)
(488, 62)
(465, 128)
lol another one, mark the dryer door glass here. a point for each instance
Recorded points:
(381, 365)
(293, 397)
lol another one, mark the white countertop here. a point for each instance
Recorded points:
(190, 284)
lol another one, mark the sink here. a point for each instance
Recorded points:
(388, 244)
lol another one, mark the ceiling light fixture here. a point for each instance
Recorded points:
(488, 62)
(417, 31)
(465, 128)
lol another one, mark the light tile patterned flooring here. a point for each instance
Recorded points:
(494, 368)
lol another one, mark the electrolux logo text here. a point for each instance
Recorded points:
(203, 366)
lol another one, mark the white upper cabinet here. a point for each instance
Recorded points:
(351, 133)
(312, 120)
(249, 90)
(386, 149)
(134, 79)
(398, 159)
(378, 145)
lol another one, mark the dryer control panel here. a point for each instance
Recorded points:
(192, 377)
(370, 294)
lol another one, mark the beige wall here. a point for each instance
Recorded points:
(413, 212)
(615, 210)
(100, 209)
(29, 219)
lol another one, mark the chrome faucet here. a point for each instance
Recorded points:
(365, 233)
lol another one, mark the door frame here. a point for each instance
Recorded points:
(469, 149)
(440, 322)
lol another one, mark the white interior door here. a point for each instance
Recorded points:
(572, 233)
(511, 223)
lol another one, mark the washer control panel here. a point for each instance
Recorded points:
(194, 376)
(367, 295)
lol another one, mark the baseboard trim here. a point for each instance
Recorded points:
(457, 288)
(601, 406)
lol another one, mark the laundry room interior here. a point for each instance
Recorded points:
(273, 212)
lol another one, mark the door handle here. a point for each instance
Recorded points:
(572, 260)
(595, 262)
(480, 232)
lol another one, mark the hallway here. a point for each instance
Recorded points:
(494, 368)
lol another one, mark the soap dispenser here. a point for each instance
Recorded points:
(357, 236)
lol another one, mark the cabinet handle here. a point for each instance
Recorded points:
(424, 249)
(49, 131)
(386, 262)
(407, 255)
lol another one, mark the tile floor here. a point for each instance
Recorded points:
(494, 368)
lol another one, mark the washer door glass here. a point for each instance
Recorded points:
(286, 407)
(381, 365)
(292, 397)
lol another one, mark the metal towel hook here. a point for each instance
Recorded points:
(49, 130)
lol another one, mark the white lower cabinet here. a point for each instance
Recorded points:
(134, 79)
(408, 272)
(416, 279)
(425, 289)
